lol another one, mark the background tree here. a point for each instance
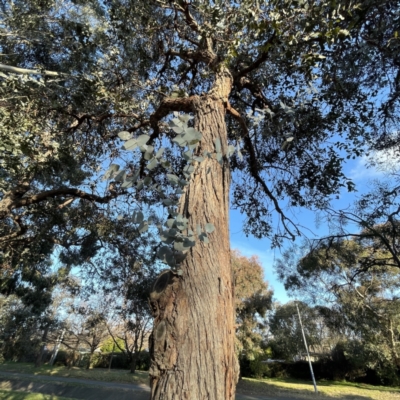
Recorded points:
(31, 314)
(363, 295)
(287, 342)
(271, 79)
(131, 322)
(252, 301)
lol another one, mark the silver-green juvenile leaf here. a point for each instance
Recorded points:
(209, 227)
(165, 238)
(218, 145)
(231, 150)
(143, 227)
(183, 246)
(185, 117)
(187, 155)
(168, 202)
(113, 168)
(170, 222)
(164, 253)
(138, 217)
(177, 129)
(192, 135)
(142, 140)
(130, 144)
(172, 232)
(180, 141)
(173, 179)
(139, 185)
(120, 177)
(127, 183)
(149, 152)
(152, 164)
(203, 237)
(159, 153)
(176, 122)
(135, 176)
(188, 169)
(165, 163)
(124, 135)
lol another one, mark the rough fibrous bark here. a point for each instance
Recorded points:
(192, 343)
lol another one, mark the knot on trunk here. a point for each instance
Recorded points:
(162, 348)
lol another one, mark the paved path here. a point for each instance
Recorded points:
(84, 389)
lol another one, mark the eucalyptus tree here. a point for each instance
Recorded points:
(129, 324)
(264, 95)
(253, 299)
(287, 338)
(362, 295)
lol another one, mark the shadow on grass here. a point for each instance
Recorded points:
(14, 395)
(96, 374)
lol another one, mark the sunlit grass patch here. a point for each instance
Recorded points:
(326, 389)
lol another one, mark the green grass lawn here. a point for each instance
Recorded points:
(13, 395)
(326, 389)
(97, 374)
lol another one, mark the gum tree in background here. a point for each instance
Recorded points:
(258, 99)
(359, 284)
(253, 299)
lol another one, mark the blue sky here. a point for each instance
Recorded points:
(362, 176)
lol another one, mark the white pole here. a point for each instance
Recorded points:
(308, 354)
(57, 346)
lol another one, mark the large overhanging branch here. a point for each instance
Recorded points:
(37, 198)
(80, 119)
(183, 7)
(14, 201)
(167, 105)
(373, 232)
(260, 59)
(21, 230)
(245, 83)
(254, 170)
(24, 71)
(204, 54)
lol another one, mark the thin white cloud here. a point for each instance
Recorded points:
(375, 165)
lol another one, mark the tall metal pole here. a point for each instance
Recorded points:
(308, 354)
(56, 348)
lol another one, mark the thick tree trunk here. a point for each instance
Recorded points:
(393, 344)
(39, 359)
(192, 343)
(89, 361)
(133, 363)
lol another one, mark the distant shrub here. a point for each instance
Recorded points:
(120, 361)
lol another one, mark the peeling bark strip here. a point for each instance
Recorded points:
(192, 344)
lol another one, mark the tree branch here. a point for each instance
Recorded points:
(77, 193)
(261, 59)
(255, 90)
(21, 230)
(255, 172)
(25, 71)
